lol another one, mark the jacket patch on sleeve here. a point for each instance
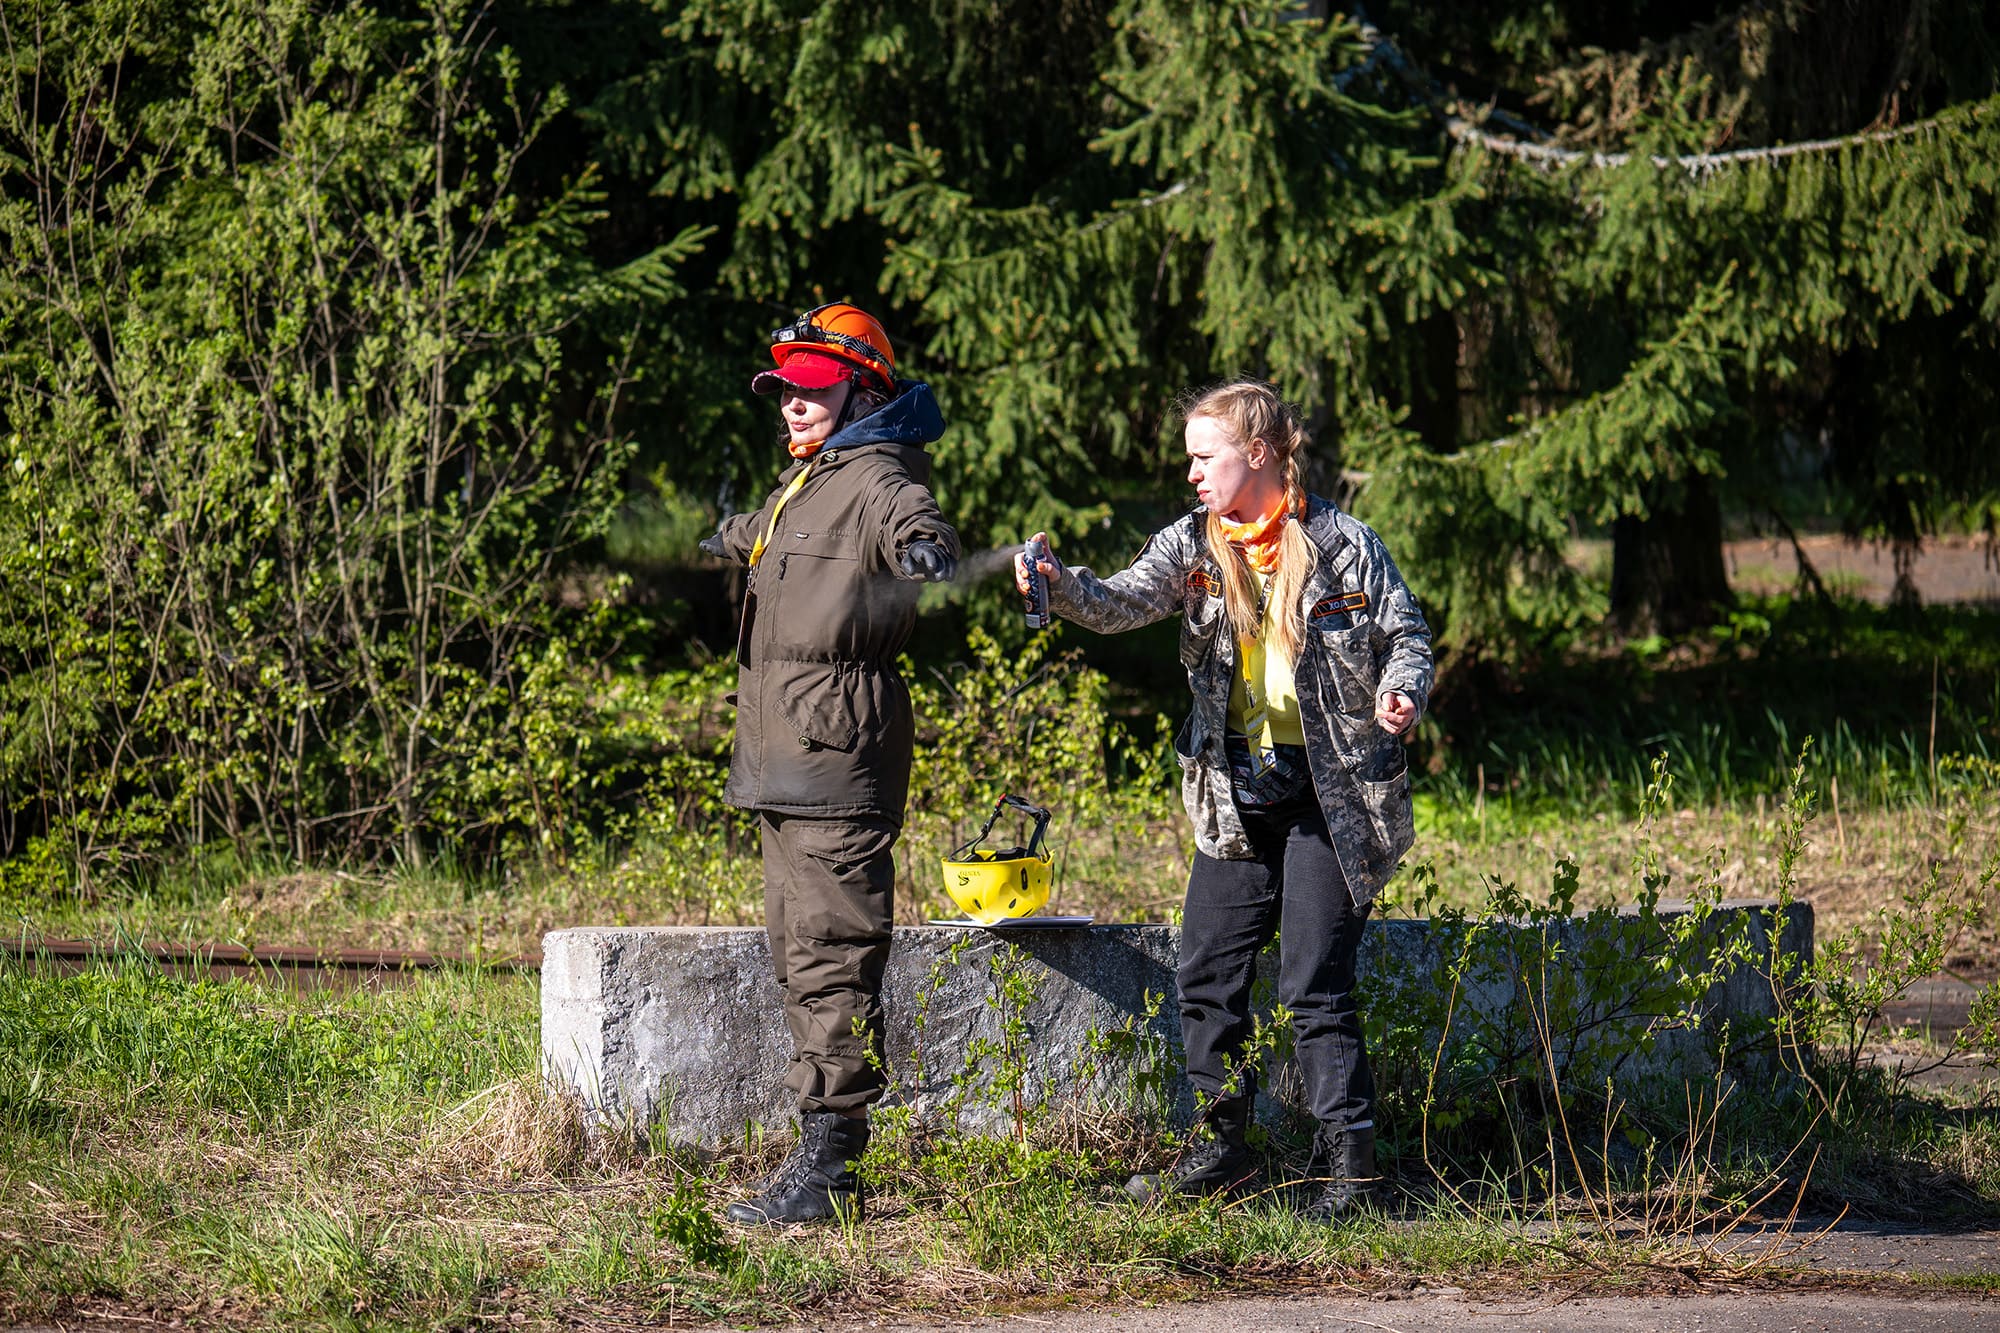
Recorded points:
(1202, 581)
(1337, 612)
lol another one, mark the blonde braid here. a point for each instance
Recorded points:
(1295, 552)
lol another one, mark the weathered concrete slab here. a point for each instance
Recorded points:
(685, 1024)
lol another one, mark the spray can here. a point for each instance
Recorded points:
(1036, 600)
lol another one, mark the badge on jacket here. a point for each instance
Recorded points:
(1337, 612)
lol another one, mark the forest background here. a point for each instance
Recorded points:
(369, 373)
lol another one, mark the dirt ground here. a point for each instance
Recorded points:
(1423, 1312)
(1831, 1309)
(1949, 569)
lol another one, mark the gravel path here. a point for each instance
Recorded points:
(1873, 1254)
(1437, 1312)
(1950, 569)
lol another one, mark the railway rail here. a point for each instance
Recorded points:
(301, 967)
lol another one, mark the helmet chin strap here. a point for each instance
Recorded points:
(847, 408)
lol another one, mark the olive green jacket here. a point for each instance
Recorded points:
(823, 723)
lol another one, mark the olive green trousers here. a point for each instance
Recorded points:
(829, 889)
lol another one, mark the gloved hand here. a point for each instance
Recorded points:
(925, 560)
(713, 545)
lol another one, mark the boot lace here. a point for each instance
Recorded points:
(1203, 1155)
(792, 1171)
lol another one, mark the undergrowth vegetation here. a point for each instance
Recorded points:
(1512, 772)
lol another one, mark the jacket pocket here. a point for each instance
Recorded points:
(1189, 740)
(1199, 627)
(825, 544)
(1385, 795)
(822, 717)
(1350, 664)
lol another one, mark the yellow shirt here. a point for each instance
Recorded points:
(1276, 687)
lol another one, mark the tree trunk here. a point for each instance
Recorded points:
(1434, 405)
(1667, 572)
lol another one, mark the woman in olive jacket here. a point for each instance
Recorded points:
(1308, 659)
(824, 734)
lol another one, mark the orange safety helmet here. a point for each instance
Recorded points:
(826, 345)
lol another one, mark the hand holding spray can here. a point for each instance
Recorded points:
(1036, 600)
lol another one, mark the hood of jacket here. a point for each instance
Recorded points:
(903, 425)
(911, 417)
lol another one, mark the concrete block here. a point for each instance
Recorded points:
(686, 1024)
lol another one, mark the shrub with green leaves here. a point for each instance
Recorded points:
(307, 400)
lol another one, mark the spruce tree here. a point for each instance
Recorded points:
(1526, 267)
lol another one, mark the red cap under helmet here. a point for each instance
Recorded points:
(803, 369)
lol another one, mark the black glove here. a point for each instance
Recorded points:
(925, 560)
(713, 545)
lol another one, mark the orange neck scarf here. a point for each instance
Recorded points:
(1259, 539)
(804, 450)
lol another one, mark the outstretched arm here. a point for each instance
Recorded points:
(1151, 588)
(735, 538)
(915, 540)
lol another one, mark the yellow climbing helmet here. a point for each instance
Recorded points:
(990, 885)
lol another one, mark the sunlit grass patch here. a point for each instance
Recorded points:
(1984, 1284)
(362, 1209)
(120, 1037)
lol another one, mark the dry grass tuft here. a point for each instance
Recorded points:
(304, 896)
(522, 1129)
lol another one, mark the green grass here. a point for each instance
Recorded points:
(1882, 692)
(232, 1154)
(1958, 1284)
(127, 1036)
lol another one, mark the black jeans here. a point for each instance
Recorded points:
(1295, 886)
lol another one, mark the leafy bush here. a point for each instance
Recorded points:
(301, 432)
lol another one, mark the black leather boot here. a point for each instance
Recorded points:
(818, 1180)
(1222, 1164)
(1342, 1174)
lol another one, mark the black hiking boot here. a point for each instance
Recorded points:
(817, 1181)
(1222, 1164)
(1342, 1173)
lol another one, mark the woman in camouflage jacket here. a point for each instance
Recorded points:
(1309, 659)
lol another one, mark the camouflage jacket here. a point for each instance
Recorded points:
(1364, 635)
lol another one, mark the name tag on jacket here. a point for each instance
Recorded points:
(1341, 611)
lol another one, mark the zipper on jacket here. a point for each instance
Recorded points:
(783, 560)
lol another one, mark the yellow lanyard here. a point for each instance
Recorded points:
(1256, 706)
(1257, 697)
(757, 551)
